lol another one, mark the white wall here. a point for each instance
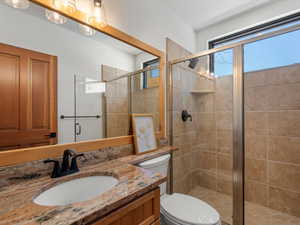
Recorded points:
(257, 15)
(76, 53)
(151, 21)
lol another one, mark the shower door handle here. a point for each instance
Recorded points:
(78, 129)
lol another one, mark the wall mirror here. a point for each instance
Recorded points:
(62, 81)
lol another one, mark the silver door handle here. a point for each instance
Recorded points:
(78, 131)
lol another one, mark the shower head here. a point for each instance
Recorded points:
(193, 63)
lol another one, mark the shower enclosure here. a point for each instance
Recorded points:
(240, 151)
(83, 112)
(102, 109)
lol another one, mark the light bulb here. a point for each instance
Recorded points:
(18, 4)
(55, 17)
(98, 15)
(68, 5)
(86, 30)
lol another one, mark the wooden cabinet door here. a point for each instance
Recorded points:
(27, 98)
(143, 211)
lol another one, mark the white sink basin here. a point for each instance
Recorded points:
(77, 190)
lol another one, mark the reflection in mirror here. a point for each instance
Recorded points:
(64, 82)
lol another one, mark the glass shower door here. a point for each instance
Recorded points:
(88, 109)
(272, 130)
(203, 88)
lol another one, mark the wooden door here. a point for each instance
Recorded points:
(28, 114)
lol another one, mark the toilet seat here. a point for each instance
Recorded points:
(182, 209)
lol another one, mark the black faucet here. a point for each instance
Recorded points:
(65, 169)
(65, 166)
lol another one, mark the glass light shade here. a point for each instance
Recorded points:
(86, 30)
(98, 14)
(69, 5)
(18, 4)
(55, 17)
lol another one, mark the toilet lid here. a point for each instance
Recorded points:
(189, 210)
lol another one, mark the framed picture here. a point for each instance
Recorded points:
(143, 133)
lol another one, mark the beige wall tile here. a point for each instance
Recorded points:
(180, 186)
(224, 93)
(224, 184)
(207, 161)
(225, 141)
(282, 75)
(187, 163)
(256, 123)
(254, 79)
(224, 164)
(178, 168)
(224, 120)
(206, 122)
(284, 176)
(285, 201)
(256, 146)
(284, 123)
(206, 179)
(256, 98)
(284, 149)
(256, 192)
(256, 170)
(284, 97)
(206, 141)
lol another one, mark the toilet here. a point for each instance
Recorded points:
(180, 209)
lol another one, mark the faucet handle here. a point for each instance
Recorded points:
(56, 168)
(74, 166)
(69, 152)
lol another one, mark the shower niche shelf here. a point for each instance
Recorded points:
(199, 92)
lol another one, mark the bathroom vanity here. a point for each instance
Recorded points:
(134, 200)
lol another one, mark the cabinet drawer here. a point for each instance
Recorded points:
(143, 211)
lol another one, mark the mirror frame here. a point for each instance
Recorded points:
(18, 156)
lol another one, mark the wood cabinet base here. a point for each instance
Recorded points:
(143, 211)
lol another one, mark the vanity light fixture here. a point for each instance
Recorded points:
(67, 5)
(98, 14)
(18, 4)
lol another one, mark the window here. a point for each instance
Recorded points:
(277, 51)
(151, 78)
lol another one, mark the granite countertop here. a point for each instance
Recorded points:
(17, 207)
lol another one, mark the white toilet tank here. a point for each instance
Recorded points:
(158, 165)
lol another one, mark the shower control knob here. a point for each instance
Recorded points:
(185, 116)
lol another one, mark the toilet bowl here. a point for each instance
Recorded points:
(180, 209)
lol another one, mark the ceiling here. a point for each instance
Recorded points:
(202, 13)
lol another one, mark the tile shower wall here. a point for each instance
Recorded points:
(272, 130)
(145, 100)
(272, 105)
(196, 139)
(117, 102)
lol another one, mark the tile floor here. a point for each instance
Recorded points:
(255, 214)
